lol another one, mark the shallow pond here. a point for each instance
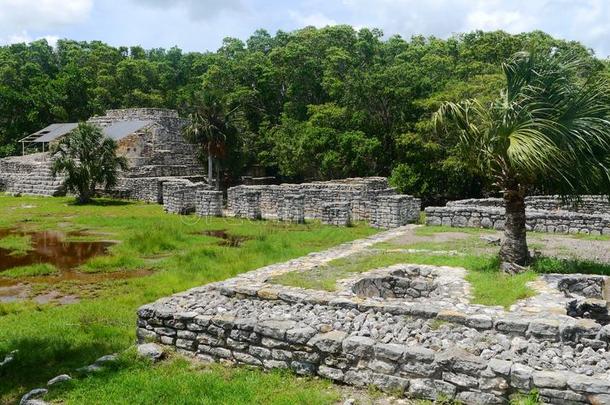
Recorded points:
(51, 247)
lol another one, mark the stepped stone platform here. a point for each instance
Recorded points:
(407, 329)
(30, 174)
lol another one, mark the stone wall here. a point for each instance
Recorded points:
(431, 344)
(248, 204)
(291, 208)
(150, 189)
(585, 204)
(208, 203)
(30, 174)
(337, 213)
(361, 193)
(179, 197)
(536, 220)
(395, 210)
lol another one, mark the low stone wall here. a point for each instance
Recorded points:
(362, 194)
(291, 208)
(179, 197)
(208, 203)
(539, 221)
(585, 204)
(248, 205)
(338, 214)
(395, 210)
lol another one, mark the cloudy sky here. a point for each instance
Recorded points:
(201, 24)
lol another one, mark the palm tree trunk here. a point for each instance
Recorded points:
(513, 250)
(217, 174)
(210, 169)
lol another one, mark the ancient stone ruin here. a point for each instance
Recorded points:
(150, 138)
(589, 215)
(337, 202)
(406, 329)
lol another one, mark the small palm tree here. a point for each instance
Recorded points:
(88, 159)
(548, 130)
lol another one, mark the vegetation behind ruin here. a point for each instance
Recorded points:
(309, 104)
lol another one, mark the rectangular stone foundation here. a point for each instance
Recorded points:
(208, 203)
(338, 214)
(291, 208)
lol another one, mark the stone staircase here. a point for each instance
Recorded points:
(35, 178)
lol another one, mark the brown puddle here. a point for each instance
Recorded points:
(51, 247)
(227, 238)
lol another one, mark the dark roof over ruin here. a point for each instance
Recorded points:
(116, 131)
(121, 129)
(51, 132)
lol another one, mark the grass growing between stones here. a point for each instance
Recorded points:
(170, 381)
(18, 245)
(489, 286)
(444, 246)
(53, 339)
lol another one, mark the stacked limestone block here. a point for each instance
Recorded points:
(208, 203)
(338, 214)
(536, 220)
(291, 208)
(248, 205)
(179, 197)
(394, 211)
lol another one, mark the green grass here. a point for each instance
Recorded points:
(58, 339)
(176, 381)
(17, 244)
(39, 269)
(489, 285)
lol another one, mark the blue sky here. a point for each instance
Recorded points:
(199, 25)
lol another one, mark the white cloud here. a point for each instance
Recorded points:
(510, 21)
(20, 17)
(318, 20)
(196, 9)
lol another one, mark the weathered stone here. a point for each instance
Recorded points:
(461, 380)
(300, 335)
(419, 354)
(549, 379)
(588, 385)
(431, 389)
(478, 398)
(329, 342)
(391, 351)
(303, 367)
(150, 351)
(33, 394)
(389, 383)
(59, 379)
(521, 376)
(358, 346)
(274, 329)
(330, 373)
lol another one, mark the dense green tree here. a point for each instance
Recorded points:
(549, 129)
(313, 103)
(88, 160)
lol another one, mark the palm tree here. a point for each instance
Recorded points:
(548, 130)
(88, 159)
(210, 124)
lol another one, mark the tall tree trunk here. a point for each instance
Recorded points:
(513, 250)
(210, 169)
(217, 174)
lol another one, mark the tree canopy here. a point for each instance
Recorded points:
(313, 103)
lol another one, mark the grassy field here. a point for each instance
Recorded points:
(464, 249)
(158, 254)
